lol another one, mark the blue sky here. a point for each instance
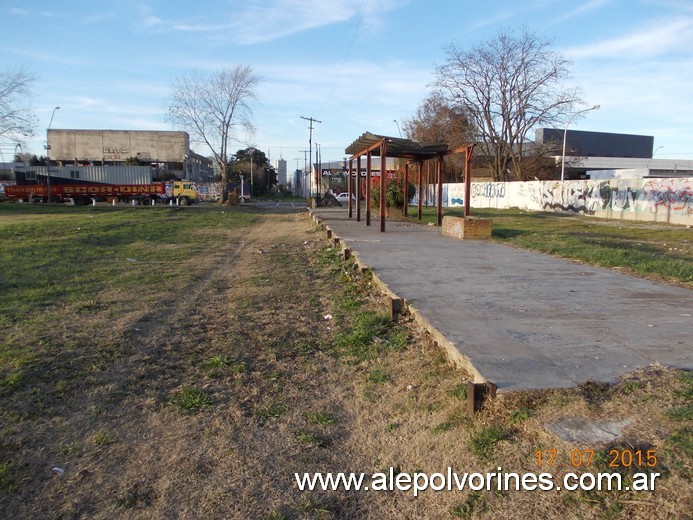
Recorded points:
(356, 65)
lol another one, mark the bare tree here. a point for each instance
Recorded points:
(213, 108)
(16, 118)
(508, 86)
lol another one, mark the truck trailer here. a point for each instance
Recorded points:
(84, 185)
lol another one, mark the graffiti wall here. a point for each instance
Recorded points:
(662, 200)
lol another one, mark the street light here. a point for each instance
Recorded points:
(565, 133)
(398, 129)
(48, 161)
(653, 154)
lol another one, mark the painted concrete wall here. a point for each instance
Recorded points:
(661, 200)
(118, 145)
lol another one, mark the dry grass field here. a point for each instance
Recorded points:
(186, 364)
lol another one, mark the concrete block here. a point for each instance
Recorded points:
(467, 228)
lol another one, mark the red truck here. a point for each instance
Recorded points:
(183, 192)
(85, 184)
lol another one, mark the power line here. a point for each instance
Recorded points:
(346, 55)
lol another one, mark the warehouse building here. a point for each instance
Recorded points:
(609, 155)
(168, 151)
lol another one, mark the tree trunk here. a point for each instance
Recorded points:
(224, 184)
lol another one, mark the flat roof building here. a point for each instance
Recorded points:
(168, 150)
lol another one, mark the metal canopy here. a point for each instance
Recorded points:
(396, 147)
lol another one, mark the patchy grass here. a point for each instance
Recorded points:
(191, 399)
(179, 363)
(483, 441)
(320, 418)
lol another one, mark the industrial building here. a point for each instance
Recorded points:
(168, 151)
(609, 155)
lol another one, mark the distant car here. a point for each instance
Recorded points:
(344, 197)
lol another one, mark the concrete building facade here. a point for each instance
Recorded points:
(610, 154)
(168, 151)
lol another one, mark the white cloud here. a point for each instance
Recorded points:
(665, 36)
(592, 5)
(257, 21)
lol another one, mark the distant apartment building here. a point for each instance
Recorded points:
(168, 151)
(280, 168)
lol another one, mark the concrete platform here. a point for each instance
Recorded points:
(524, 320)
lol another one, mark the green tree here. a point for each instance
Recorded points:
(263, 174)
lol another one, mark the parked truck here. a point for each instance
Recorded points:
(83, 185)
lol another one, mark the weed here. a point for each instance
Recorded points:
(682, 440)
(483, 441)
(6, 480)
(269, 411)
(274, 515)
(69, 449)
(60, 386)
(519, 415)
(319, 418)
(191, 399)
(443, 427)
(220, 364)
(371, 334)
(273, 376)
(453, 420)
(308, 347)
(614, 511)
(681, 413)
(459, 392)
(469, 506)
(391, 427)
(12, 382)
(431, 374)
(686, 392)
(103, 438)
(379, 377)
(306, 437)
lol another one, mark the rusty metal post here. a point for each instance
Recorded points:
(428, 181)
(368, 189)
(383, 183)
(351, 169)
(406, 190)
(468, 180)
(420, 188)
(440, 191)
(358, 189)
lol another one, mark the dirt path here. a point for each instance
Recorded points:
(204, 401)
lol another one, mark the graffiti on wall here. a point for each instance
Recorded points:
(672, 194)
(665, 199)
(488, 189)
(574, 197)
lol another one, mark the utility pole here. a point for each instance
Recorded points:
(310, 146)
(318, 160)
(48, 161)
